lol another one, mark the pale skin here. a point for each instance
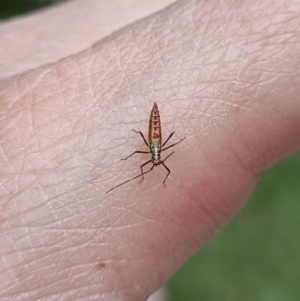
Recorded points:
(225, 74)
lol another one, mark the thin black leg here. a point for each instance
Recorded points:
(136, 152)
(167, 174)
(142, 136)
(166, 167)
(168, 139)
(168, 156)
(142, 172)
(173, 144)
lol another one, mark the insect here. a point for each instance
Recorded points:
(155, 147)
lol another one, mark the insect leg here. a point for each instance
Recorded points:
(139, 152)
(136, 152)
(142, 172)
(128, 181)
(168, 139)
(167, 174)
(142, 136)
(173, 144)
(166, 168)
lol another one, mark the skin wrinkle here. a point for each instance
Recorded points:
(61, 254)
(50, 284)
(212, 211)
(121, 79)
(76, 292)
(28, 48)
(42, 247)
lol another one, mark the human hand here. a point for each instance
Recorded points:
(224, 76)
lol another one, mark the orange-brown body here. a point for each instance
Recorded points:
(155, 135)
(154, 125)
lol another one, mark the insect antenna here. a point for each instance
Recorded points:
(141, 175)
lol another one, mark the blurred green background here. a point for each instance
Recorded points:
(10, 8)
(257, 256)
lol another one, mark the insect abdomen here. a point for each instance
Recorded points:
(154, 125)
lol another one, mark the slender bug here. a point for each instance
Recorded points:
(155, 145)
